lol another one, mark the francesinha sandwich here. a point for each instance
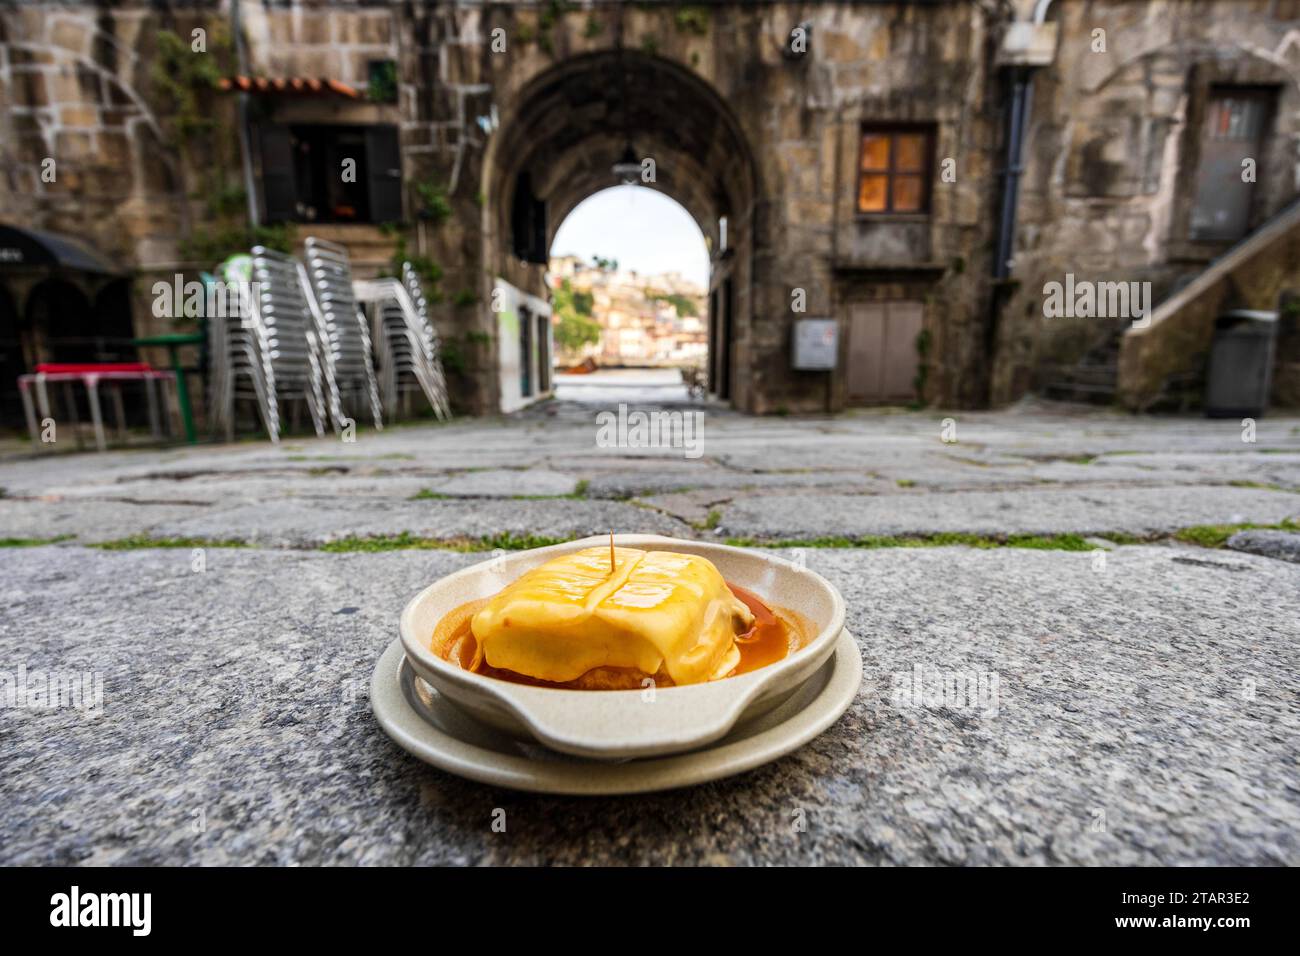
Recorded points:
(615, 611)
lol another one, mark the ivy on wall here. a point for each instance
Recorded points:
(185, 84)
(692, 18)
(185, 80)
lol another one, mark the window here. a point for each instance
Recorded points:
(894, 170)
(303, 173)
(381, 85)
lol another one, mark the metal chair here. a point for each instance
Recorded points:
(269, 353)
(405, 341)
(341, 333)
(428, 337)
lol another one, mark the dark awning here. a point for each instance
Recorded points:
(26, 248)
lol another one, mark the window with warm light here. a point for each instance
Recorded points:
(894, 170)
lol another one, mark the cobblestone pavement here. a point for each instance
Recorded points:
(1147, 709)
(1044, 471)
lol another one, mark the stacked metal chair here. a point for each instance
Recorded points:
(425, 369)
(269, 352)
(406, 342)
(342, 337)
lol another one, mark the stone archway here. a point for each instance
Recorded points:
(558, 141)
(60, 310)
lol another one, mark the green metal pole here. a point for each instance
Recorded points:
(183, 395)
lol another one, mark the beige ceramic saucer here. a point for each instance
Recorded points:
(424, 723)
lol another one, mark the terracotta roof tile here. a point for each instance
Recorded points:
(300, 85)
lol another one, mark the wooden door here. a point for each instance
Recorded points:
(725, 332)
(882, 357)
(525, 352)
(543, 354)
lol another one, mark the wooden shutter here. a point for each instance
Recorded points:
(279, 187)
(384, 173)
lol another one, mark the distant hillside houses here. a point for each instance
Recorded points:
(643, 319)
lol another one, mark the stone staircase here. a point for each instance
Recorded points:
(1093, 379)
(1163, 363)
(1162, 367)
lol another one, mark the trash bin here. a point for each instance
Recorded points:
(1241, 364)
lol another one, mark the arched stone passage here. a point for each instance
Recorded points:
(572, 123)
(81, 321)
(61, 312)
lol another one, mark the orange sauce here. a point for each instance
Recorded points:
(775, 634)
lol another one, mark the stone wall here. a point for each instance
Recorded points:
(1109, 162)
(1112, 154)
(87, 150)
(74, 89)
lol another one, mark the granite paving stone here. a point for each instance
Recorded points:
(297, 523)
(505, 483)
(1126, 705)
(1154, 696)
(1137, 510)
(1283, 545)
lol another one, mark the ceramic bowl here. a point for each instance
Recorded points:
(620, 724)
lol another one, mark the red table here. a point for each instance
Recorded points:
(89, 375)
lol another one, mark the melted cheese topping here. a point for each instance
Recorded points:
(657, 609)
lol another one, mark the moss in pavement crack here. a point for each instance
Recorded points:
(506, 541)
(579, 491)
(1206, 536)
(33, 542)
(1217, 535)
(139, 542)
(1056, 542)
(711, 521)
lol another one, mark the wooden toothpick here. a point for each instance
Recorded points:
(611, 552)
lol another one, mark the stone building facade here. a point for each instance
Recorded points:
(845, 161)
